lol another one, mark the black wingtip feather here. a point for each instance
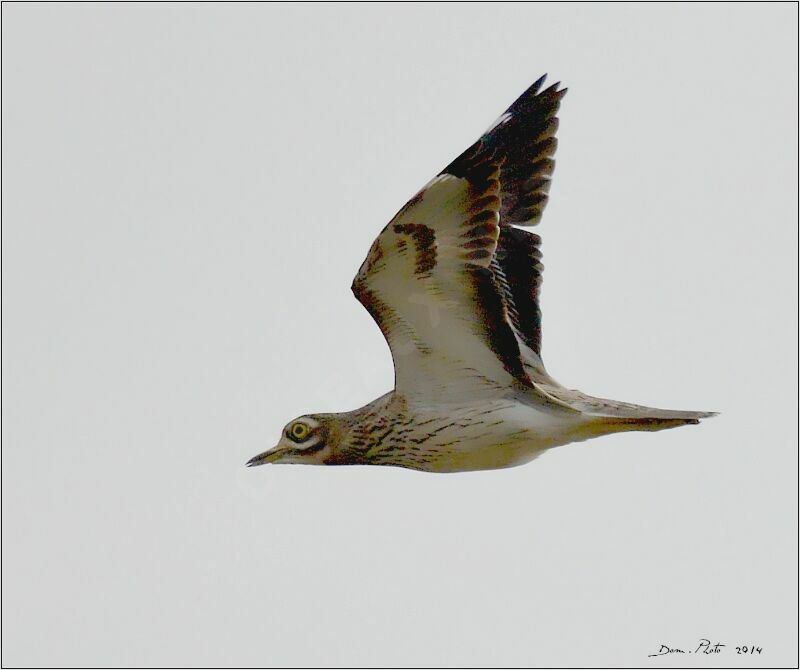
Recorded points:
(528, 96)
(524, 140)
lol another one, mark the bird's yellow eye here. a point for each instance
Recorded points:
(299, 431)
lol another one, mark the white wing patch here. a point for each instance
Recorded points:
(424, 282)
(503, 118)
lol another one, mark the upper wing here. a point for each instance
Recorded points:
(452, 286)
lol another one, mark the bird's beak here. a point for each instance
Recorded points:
(269, 456)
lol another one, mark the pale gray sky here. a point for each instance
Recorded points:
(188, 190)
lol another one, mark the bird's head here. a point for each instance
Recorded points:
(310, 439)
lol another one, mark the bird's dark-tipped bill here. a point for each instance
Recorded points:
(267, 457)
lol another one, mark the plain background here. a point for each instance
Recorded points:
(188, 190)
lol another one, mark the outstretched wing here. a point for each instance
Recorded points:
(451, 284)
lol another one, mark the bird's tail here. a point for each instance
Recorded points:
(619, 424)
(616, 416)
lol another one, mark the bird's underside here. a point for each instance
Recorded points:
(453, 284)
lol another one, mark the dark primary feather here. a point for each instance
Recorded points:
(523, 142)
(519, 272)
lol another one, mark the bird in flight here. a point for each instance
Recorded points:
(453, 284)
